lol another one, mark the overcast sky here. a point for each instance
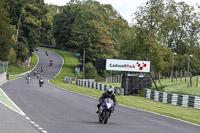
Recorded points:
(124, 7)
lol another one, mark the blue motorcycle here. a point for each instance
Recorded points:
(105, 110)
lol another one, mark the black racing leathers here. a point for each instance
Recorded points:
(104, 96)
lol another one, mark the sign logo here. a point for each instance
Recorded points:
(128, 65)
(140, 66)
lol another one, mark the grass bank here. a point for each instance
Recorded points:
(180, 87)
(188, 114)
(20, 67)
(176, 87)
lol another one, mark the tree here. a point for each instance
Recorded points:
(151, 21)
(186, 29)
(31, 25)
(81, 25)
(5, 33)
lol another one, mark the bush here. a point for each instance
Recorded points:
(90, 71)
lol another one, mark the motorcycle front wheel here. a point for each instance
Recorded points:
(107, 114)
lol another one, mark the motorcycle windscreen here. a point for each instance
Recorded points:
(108, 103)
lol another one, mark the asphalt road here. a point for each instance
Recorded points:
(60, 111)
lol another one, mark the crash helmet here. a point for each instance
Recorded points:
(109, 91)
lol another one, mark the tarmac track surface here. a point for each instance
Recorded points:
(61, 111)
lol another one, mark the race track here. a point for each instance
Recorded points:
(61, 111)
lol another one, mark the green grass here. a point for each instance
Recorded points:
(188, 114)
(13, 77)
(20, 68)
(178, 87)
(6, 101)
(69, 63)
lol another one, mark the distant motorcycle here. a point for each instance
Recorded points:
(41, 82)
(38, 75)
(42, 69)
(46, 53)
(28, 79)
(34, 72)
(51, 63)
(105, 110)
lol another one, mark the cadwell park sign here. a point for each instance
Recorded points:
(127, 65)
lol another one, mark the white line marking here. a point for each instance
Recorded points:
(36, 125)
(27, 118)
(44, 131)
(32, 122)
(40, 128)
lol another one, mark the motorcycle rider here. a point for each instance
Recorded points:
(41, 81)
(46, 52)
(38, 75)
(51, 62)
(42, 69)
(34, 72)
(107, 94)
(27, 75)
(28, 78)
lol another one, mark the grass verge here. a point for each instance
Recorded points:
(20, 68)
(187, 114)
(13, 77)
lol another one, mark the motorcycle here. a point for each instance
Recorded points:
(28, 79)
(51, 63)
(46, 53)
(41, 82)
(105, 110)
(42, 69)
(26, 76)
(34, 72)
(38, 75)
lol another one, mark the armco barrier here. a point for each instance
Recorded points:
(175, 99)
(97, 86)
(68, 80)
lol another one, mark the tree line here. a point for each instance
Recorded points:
(24, 25)
(159, 29)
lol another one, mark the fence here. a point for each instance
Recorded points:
(114, 79)
(97, 86)
(3, 66)
(178, 77)
(175, 99)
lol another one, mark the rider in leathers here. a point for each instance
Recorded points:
(107, 94)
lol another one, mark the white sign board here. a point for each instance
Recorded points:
(128, 65)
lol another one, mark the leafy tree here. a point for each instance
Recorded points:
(185, 32)
(149, 37)
(82, 26)
(31, 24)
(5, 33)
